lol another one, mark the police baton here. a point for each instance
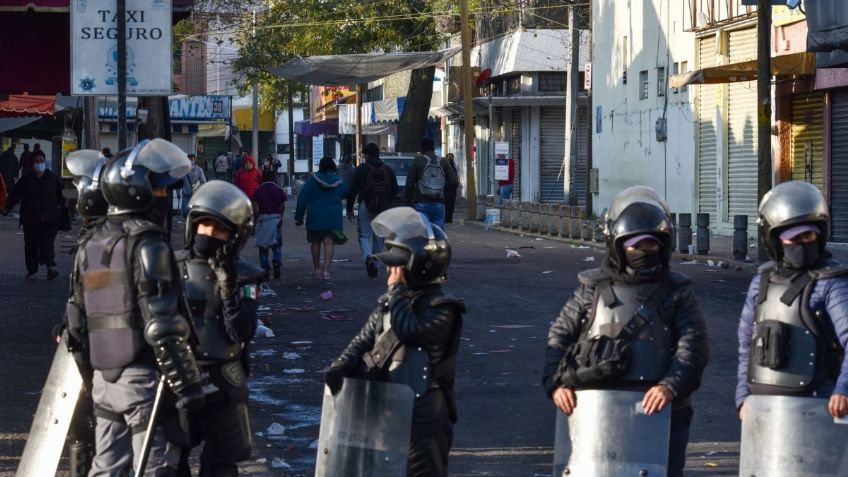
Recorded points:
(151, 425)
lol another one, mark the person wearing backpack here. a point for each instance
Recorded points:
(426, 183)
(373, 190)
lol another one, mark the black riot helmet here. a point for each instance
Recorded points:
(789, 204)
(129, 179)
(636, 211)
(86, 165)
(414, 243)
(224, 203)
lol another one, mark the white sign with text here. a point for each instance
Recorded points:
(94, 47)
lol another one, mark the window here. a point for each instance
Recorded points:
(301, 141)
(552, 82)
(684, 68)
(661, 81)
(374, 94)
(643, 84)
(675, 70)
(178, 60)
(513, 85)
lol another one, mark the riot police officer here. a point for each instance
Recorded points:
(793, 332)
(412, 336)
(632, 324)
(126, 308)
(222, 294)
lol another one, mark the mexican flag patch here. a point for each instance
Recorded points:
(250, 292)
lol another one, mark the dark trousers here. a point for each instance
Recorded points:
(681, 420)
(450, 203)
(432, 436)
(38, 244)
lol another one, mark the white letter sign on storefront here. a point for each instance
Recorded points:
(94, 47)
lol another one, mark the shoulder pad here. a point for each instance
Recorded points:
(155, 260)
(249, 273)
(448, 300)
(831, 270)
(592, 276)
(134, 227)
(768, 266)
(679, 279)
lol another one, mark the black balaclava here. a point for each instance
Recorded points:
(206, 246)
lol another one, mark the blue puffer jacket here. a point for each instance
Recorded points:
(321, 201)
(830, 295)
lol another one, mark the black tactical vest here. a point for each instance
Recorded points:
(113, 320)
(652, 347)
(784, 352)
(205, 306)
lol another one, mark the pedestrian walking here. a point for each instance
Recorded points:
(450, 192)
(321, 201)
(792, 335)
(347, 170)
(426, 182)
(126, 306)
(631, 325)
(26, 160)
(223, 309)
(238, 163)
(9, 165)
(191, 182)
(221, 166)
(248, 178)
(40, 196)
(269, 204)
(272, 164)
(411, 338)
(373, 189)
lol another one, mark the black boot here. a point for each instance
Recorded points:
(277, 272)
(79, 458)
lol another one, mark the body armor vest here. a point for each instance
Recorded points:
(784, 350)
(205, 305)
(408, 364)
(653, 346)
(115, 328)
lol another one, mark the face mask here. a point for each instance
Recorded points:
(40, 167)
(206, 246)
(801, 255)
(643, 263)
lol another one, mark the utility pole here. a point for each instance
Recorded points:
(470, 188)
(360, 90)
(764, 168)
(570, 159)
(292, 145)
(255, 136)
(122, 73)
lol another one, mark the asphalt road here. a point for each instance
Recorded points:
(506, 423)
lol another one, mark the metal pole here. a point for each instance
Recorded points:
(255, 136)
(151, 427)
(292, 145)
(470, 186)
(360, 89)
(122, 73)
(571, 108)
(764, 169)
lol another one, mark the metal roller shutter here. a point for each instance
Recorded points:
(514, 131)
(808, 138)
(839, 167)
(552, 154)
(110, 140)
(183, 141)
(707, 158)
(742, 132)
(581, 170)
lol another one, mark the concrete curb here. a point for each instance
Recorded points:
(601, 247)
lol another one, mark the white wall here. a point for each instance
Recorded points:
(626, 152)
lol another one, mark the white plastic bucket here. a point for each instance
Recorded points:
(493, 217)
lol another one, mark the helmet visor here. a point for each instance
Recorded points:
(83, 162)
(404, 223)
(163, 157)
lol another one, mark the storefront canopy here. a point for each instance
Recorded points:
(792, 64)
(8, 124)
(27, 105)
(356, 69)
(308, 128)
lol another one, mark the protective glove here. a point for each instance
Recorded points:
(191, 399)
(334, 378)
(223, 265)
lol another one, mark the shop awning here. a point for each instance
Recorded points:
(308, 128)
(27, 105)
(64, 5)
(357, 69)
(792, 64)
(8, 124)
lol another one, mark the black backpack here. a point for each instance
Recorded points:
(378, 190)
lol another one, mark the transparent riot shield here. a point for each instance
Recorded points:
(52, 419)
(609, 434)
(365, 430)
(786, 436)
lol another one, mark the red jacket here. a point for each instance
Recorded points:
(511, 174)
(248, 181)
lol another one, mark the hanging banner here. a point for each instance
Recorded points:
(317, 149)
(501, 161)
(94, 47)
